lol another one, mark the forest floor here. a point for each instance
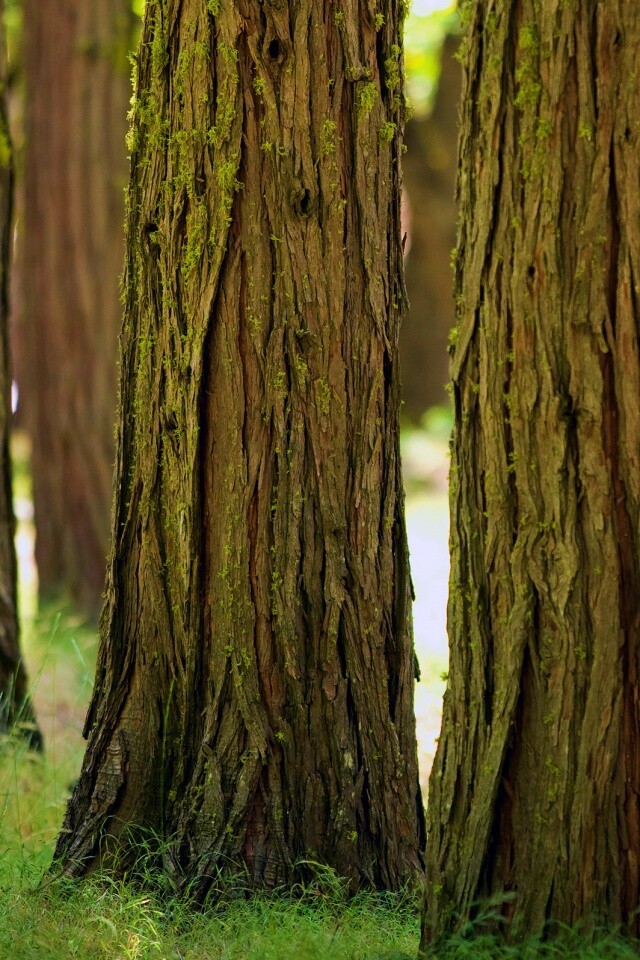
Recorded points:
(103, 920)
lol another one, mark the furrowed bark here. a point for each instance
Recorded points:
(534, 796)
(16, 711)
(78, 92)
(254, 694)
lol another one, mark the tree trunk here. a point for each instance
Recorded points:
(254, 695)
(535, 791)
(429, 169)
(15, 705)
(78, 93)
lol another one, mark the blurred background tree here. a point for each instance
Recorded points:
(76, 71)
(429, 169)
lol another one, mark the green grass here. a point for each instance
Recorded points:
(101, 919)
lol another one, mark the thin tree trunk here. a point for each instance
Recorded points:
(78, 95)
(429, 169)
(535, 792)
(254, 694)
(15, 705)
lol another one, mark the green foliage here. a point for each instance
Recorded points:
(13, 29)
(423, 38)
(438, 422)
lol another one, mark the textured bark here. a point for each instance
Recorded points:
(15, 705)
(535, 788)
(429, 169)
(78, 95)
(254, 694)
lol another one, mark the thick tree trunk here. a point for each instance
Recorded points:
(78, 95)
(536, 785)
(429, 169)
(15, 705)
(254, 694)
